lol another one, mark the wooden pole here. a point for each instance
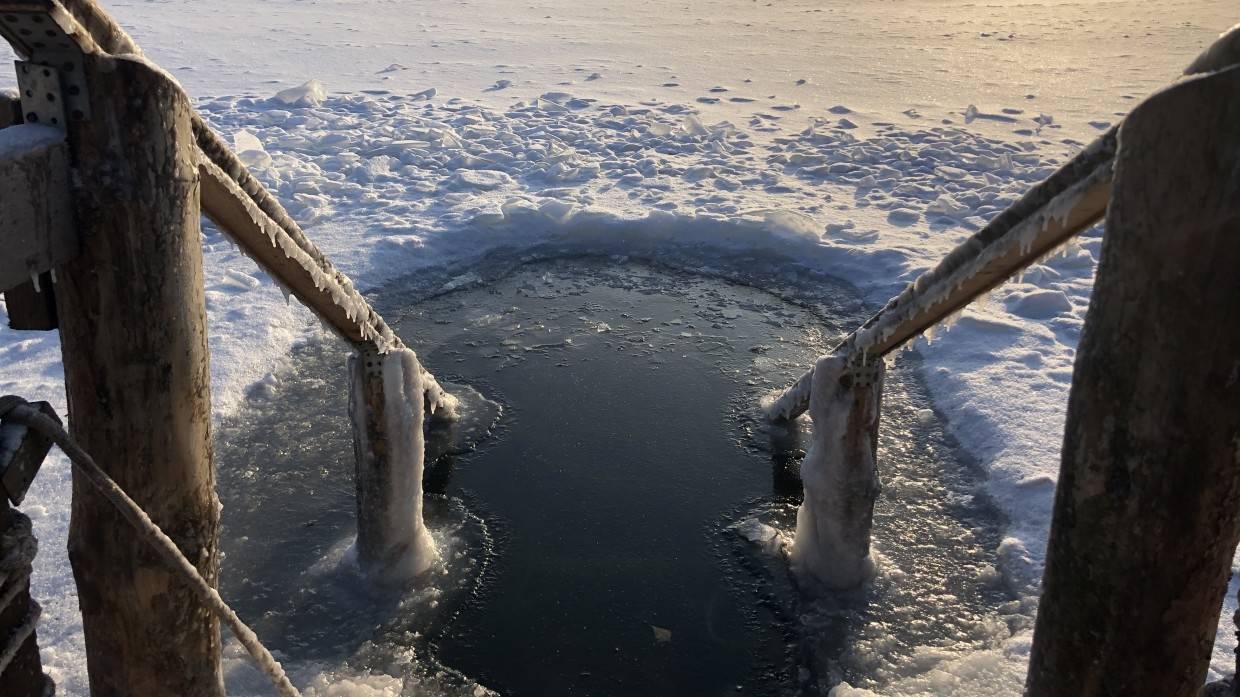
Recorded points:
(387, 406)
(840, 474)
(1147, 511)
(133, 332)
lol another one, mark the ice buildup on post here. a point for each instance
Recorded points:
(839, 475)
(387, 403)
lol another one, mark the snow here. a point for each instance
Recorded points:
(411, 135)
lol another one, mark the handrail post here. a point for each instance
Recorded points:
(133, 332)
(1147, 508)
(387, 403)
(840, 474)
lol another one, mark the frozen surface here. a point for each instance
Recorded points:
(838, 134)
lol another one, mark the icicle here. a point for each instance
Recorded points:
(34, 279)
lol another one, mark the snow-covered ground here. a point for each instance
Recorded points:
(836, 132)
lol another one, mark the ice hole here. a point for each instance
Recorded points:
(611, 511)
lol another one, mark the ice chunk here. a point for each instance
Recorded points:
(1040, 304)
(311, 93)
(250, 149)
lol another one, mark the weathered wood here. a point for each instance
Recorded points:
(840, 475)
(1147, 510)
(234, 199)
(293, 261)
(36, 220)
(386, 402)
(133, 331)
(1064, 205)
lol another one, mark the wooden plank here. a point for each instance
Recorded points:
(295, 263)
(1064, 205)
(1147, 508)
(36, 221)
(134, 345)
(234, 199)
(242, 206)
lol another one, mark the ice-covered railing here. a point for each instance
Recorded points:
(108, 191)
(1033, 228)
(1148, 491)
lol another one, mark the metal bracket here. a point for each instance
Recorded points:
(42, 100)
(864, 373)
(372, 361)
(40, 37)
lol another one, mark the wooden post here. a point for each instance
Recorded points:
(133, 332)
(1147, 511)
(840, 474)
(387, 405)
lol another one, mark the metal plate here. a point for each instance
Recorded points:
(42, 99)
(39, 38)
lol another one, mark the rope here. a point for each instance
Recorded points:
(17, 551)
(17, 638)
(18, 548)
(21, 413)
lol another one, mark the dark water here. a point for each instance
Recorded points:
(618, 531)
